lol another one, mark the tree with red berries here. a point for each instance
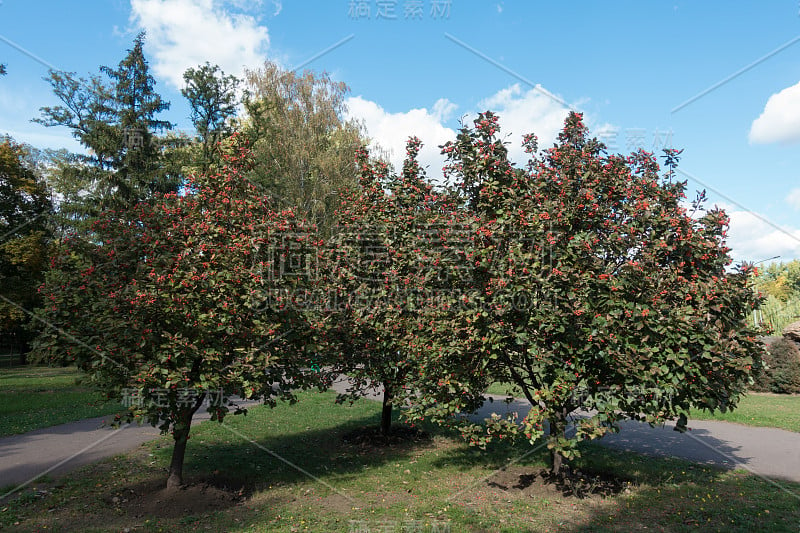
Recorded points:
(593, 290)
(382, 278)
(364, 269)
(162, 303)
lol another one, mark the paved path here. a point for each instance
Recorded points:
(56, 450)
(767, 452)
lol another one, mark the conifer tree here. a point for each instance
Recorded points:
(114, 115)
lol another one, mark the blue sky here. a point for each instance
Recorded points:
(719, 79)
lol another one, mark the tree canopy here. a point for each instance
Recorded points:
(157, 308)
(303, 145)
(592, 290)
(25, 209)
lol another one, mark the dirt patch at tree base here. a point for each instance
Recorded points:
(152, 499)
(541, 483)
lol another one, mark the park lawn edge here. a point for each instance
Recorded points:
(434, 482)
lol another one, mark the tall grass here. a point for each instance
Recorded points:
(777, 314)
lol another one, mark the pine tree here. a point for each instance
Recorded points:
(212, 98)
(114, 116)
(135, 106)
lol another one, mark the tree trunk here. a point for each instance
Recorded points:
(181, 436)
(175, 477)
(557, 460)
(23, 356)
(386, 413)
(558, 429)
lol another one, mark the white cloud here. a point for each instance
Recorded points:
(793, 198)
(443, 109)
(390, 131)
(752, 238)
(521, 113)
(187, 33)
(780, 120)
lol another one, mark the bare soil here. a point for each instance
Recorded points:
(152, 499)
(541, 483)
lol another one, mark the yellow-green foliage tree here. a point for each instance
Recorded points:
(24, 209)
(304, 147)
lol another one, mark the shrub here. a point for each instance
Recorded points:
(782, 374)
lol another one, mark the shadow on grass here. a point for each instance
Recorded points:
(658, 494)
(671, 494)
(295, 448)
(239, 455)
(295, 459)
(497, 455)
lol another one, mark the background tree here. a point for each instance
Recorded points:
(212, 98)
(24, 233)
(157, 308)
(304, 147)
(356, 268)
(115, 118)
(595, 289)
(780, 284)
(136, 106)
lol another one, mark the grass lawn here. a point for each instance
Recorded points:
(761, 409)
(502, 389)
(289, 469)
(33, 397)
(756, 409)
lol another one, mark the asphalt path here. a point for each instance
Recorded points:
(766, 452)
(57, 450)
